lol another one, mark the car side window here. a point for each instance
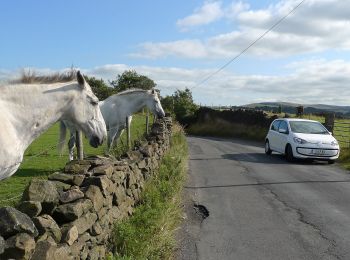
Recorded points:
(275, 125)
(283, 125)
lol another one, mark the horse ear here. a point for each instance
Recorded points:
(80, 79)
(153, 91)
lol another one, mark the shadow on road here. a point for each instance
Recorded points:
(271, 159)
(263, 184)
(260, 158)
(239, 141)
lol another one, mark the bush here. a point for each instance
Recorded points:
(182, 105)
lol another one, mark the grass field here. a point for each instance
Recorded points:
(42, 158)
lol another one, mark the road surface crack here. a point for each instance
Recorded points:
(301, 218)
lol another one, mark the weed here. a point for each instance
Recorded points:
(149, 232)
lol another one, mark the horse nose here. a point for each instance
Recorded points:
(95, 141)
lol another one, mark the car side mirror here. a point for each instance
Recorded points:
(283, 131)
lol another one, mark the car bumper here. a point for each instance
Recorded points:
(317, 153)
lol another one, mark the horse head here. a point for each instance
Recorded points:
(153, 103)
(85, 113)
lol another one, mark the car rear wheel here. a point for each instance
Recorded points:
(289, 153)
(268, 151)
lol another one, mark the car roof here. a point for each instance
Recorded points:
(296, 119)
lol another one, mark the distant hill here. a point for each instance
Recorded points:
(308, 108)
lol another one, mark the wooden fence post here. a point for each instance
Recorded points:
(79, 143)
(329, 122)
(128, 141)
(147, 123)
(300, 111)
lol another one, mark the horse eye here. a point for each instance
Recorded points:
(94, 103)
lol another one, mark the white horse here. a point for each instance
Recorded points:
(116, 108)
(28, 110)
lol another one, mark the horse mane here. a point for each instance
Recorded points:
(30, 77)
(131, 91)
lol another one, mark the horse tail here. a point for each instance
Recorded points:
(62, 140)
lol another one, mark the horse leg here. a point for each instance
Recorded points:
(114, 138)
(111, 135)
(71, 145)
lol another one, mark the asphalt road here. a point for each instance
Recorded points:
(261, 207)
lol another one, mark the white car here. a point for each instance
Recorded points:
(301, 138)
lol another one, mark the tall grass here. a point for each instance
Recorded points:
(149, 232)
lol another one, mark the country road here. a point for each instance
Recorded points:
(261, 207)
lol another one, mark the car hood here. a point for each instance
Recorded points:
(315, 138)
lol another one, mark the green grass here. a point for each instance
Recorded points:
(149, 232)
(344, 158)
(42, 158)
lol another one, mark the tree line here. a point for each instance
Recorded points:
(127, 80)
(180, 104)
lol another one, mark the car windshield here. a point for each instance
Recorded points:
(307, 127)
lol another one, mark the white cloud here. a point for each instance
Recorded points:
(315, 81)
(316, 26)
(235, 8)
(183, 48)
(309, 81)
(6, 75)
(209, 12)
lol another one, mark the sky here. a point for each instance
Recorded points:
(179, 43)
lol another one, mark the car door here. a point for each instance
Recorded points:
(282, 136)
(273, 135)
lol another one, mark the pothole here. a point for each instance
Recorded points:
(201, 211)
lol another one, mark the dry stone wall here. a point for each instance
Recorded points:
(71, 215)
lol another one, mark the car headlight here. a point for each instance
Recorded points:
(299, 140)
(334, 143)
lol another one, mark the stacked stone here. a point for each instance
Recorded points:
(71, 215)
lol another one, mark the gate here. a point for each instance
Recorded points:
(341, 131)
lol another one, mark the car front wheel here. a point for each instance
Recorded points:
(268, 151)
(289, 153)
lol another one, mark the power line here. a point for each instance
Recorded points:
(250, 45)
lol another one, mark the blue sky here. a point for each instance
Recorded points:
(178, 43)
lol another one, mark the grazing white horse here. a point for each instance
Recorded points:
(28, 110)
(116, 108)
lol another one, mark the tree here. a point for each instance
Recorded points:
(99, 87)
(131, 79)
(181, 104)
